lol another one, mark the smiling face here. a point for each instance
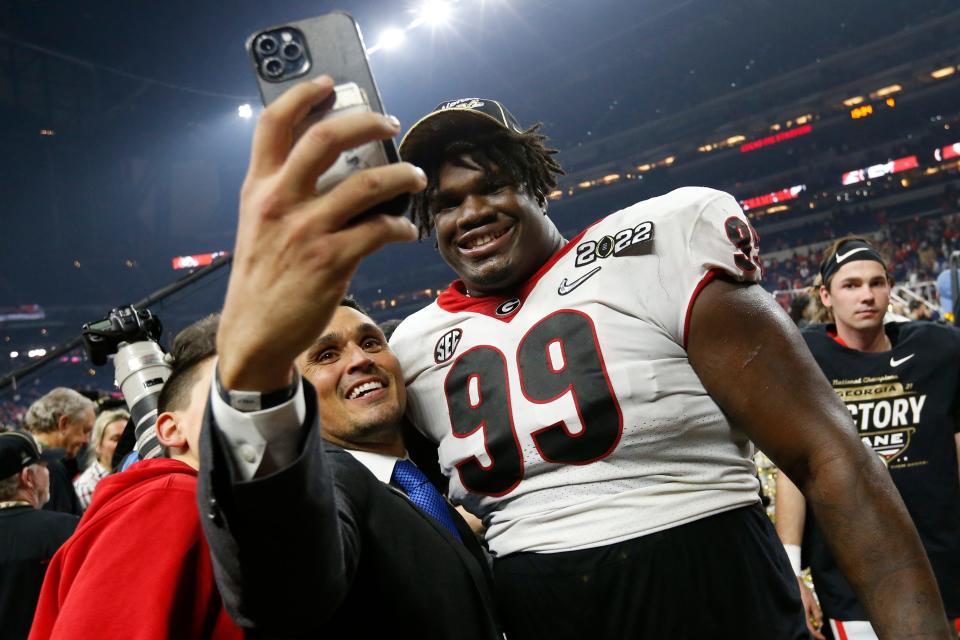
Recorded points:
(858, 295)
(360, 392)
(490, 231)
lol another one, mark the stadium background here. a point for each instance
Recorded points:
(124, 145)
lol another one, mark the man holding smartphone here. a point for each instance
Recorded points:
(340, 536)
(594, 402)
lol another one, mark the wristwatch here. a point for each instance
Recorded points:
(249, 401)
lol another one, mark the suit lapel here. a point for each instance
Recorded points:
(471, 555)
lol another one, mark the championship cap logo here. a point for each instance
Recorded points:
(462, 103)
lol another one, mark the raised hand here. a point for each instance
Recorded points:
(296, 250)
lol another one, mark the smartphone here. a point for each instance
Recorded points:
(285, 55)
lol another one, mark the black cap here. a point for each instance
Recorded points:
(18, 450)
(461, 118)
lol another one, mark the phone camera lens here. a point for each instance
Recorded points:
(273, 67)
(267, 45)
(292, 51)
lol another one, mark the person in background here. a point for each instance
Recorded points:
(29, 536)
(107, 430)
(901, 383)
(917, 310)
(945, 291)
(62, 419)
(138, 565)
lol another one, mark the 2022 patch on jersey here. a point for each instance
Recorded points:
(567, 413)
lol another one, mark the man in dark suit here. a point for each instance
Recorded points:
(29, 535)
(340, 535)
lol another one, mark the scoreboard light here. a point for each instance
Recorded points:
(774, 139)
(197, 260)
(790, 193)
(22, 312)
(879, 170)
(945, 153)
(866, 110)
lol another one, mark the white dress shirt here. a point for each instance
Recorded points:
(273, 435)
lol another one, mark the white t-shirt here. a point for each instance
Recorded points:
(567, 413)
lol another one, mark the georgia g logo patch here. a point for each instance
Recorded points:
(447, 346)
(508, 307)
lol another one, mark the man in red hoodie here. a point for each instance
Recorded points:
(138, 565)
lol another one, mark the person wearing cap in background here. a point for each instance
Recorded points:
(901, 383)
(62, 419)
(594, 400)
(29, 536)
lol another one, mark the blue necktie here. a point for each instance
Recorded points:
(408, 477)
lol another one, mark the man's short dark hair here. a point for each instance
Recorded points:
(523, 158)
(350, 301)
(190, 347)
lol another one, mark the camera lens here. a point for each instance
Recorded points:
(272, 67)
(291, 51)
(267, 45)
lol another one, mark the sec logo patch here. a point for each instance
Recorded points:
(447, 346)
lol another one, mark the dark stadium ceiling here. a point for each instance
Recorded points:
(144, 151)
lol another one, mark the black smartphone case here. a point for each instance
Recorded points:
(334, 46)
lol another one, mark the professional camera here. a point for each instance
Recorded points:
(141, 369)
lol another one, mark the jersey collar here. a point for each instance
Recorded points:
(455, 299)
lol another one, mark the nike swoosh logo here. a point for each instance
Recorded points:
(843, 256)
(566, 287)
(896, 363)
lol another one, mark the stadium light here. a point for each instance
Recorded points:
(14, 354)
(943, 73)
(391, 39)
(245, 111)
(885, 91)
(435, 12)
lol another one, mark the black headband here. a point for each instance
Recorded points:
(849, 251)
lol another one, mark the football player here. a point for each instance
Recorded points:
(901, 383)
(594, 401)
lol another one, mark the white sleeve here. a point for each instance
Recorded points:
(253, 438)
(705, 235)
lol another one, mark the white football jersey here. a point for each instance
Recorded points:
(567, 413)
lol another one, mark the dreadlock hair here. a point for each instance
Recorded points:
(523, 158)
